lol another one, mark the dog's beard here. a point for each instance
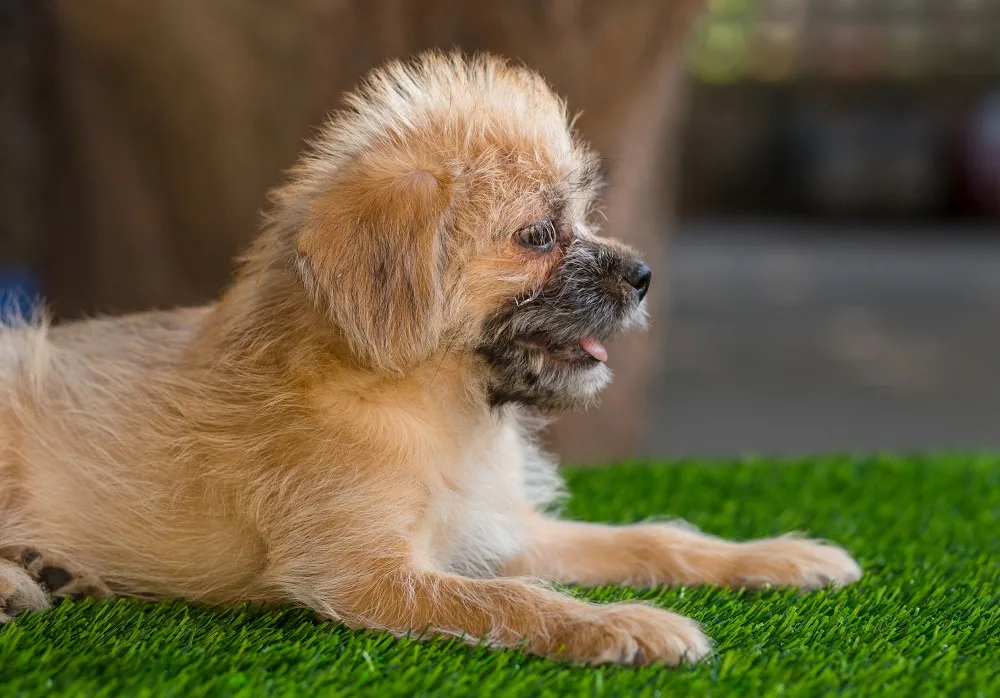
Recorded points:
(547, 350)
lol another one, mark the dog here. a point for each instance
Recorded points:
(352, 426)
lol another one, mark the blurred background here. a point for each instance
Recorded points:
(816, 184)
(836, 277)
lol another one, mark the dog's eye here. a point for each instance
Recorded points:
(539, 236)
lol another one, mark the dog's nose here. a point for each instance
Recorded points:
(637, 274)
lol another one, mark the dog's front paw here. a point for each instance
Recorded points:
(793, 562)
(634, 634)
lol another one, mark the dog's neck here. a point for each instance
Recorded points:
(266, 327)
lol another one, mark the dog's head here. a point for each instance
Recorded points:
(449, 209)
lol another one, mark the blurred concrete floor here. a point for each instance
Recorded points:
(783, 343)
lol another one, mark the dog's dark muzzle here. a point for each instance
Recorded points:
(594, 292)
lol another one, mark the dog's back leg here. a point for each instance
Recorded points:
(18, 591)
(54, 575)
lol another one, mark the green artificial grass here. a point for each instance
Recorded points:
(924, 621)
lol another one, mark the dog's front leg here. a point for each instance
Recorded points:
(651, 554)
(509, 613)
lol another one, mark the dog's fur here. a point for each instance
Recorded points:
(350, 428)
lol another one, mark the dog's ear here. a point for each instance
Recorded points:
(373, 246)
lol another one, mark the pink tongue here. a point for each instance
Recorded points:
(593, 346)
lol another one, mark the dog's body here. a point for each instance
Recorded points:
(351, 427)
(80, 484)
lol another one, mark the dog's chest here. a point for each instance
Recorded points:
(476, 516)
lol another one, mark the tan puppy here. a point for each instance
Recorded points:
(350, 427)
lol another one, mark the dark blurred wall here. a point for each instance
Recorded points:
(875, 109)
(174, 117)
(27, 109)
